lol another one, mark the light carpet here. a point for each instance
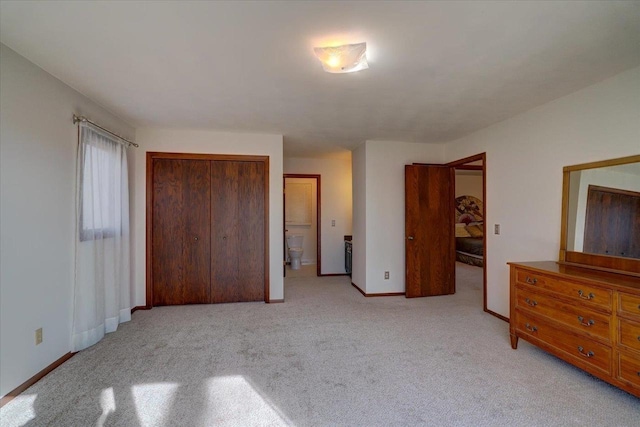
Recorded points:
(326, 357)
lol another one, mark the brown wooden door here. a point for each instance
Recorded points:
(181, 231)
(429, 230)
(237, 231)
(612, 224)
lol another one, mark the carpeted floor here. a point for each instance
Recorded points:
(305, 270)
(328, 356)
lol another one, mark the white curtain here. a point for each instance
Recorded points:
(102, 267)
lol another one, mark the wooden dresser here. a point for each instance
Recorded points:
(588, 318)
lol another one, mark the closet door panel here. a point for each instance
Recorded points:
(196, 214)
(181, 203)
(225, 250)
(167, 232)
(251, 222)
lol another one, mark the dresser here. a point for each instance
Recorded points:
(585, 317)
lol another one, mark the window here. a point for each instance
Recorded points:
(102, 174)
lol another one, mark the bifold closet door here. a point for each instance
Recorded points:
(181, 231)
(237, 231)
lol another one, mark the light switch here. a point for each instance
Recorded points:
(333, 222)
(496, 228)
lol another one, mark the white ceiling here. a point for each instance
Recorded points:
(438, 70)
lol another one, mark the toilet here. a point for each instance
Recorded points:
(294, 243)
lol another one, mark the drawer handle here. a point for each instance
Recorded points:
(531, 281)
(583, 296)
(530, 302)
(531, 328)
(588, 354)
(591, 322)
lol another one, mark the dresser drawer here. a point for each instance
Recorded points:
(585, 294)
(629, 368)
(629, 304)
(579, 318)
(527, 277)
(629, 334)
(581, 348)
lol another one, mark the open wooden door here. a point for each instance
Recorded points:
(429, 230)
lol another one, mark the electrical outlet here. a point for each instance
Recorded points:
(496, 228)
(386, 275)
(333, 222)
(38, 336)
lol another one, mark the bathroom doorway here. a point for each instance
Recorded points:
(302, 207)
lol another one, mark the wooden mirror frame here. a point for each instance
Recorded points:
(629, 266)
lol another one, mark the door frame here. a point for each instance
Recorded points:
(318, 217)
(151, 156)
(460, 164)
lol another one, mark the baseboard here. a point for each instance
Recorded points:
(34, 379)
(139, 307)
(275, 301)
(499, 316)
(333, 274)
(389, 294)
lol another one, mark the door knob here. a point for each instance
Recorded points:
(410, 237)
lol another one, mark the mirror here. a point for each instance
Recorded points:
(601, 215)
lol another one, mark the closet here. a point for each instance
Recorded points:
(206, 228)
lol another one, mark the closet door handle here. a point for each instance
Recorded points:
(224, 237)
(195, 238)
(410, 237)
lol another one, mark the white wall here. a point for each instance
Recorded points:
(308, 232)
(38, 144)
(525, 157)
(385, 161)
(469, 183)
(359, 242)
(336, 195)
(194, 141)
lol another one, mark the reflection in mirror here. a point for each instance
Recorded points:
(604, 211)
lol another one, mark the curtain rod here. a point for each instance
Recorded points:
(78, 119)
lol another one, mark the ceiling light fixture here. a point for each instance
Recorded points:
(343, 59)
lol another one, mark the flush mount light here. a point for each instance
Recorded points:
(343, 59)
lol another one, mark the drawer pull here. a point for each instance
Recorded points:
(531, 302)
(531, 328)
(591, 322)
(583, 296)
(588, 354)
(531, 281)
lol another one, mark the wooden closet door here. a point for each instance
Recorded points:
(237, 231)
(181, 231)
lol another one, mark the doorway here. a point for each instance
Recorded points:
(302, 208)
(471, 212)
